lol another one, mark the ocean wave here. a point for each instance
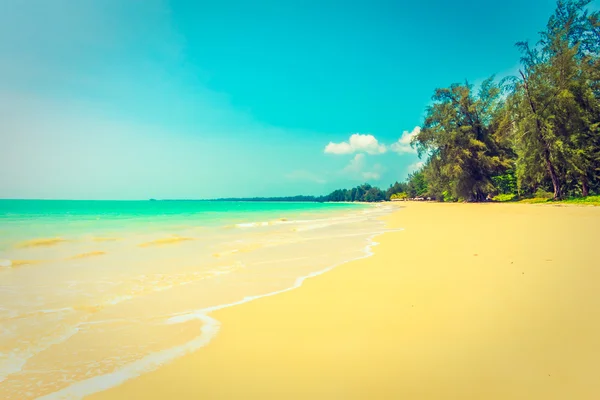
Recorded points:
(209, 329)
(263, 223)
(89, 297)
(13, 361)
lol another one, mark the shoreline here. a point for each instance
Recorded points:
(497, 310)
(209, 329)
(114, 308)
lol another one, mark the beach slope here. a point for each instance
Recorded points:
(470, 301)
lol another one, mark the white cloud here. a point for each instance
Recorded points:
(339, 148)
(356, 164)
(415, 166)
(357, 143)
(356, 168)
(303, 175)
(372, 175)
(403, 146)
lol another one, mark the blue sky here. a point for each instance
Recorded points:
(193, 99)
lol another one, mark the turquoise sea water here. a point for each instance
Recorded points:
(96, 292)
(23, 219)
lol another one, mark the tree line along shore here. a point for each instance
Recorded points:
(534, 136)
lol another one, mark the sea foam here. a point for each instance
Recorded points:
(209, 329)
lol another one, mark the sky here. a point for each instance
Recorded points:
(111, 99)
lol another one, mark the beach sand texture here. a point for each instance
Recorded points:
(470, 301)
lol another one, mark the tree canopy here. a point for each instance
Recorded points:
(536, 134)
(537, 131)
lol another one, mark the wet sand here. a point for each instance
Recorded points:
(468, 302)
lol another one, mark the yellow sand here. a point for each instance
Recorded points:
(20, 263)
(41, 242)
(90, 254)
(165, 241)
(469, 302)
(105, 239)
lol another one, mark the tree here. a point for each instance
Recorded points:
(399, 196)
(416, 185)
(363, 192)
(458, 137)
(395, 188)
(506, 183)
(554, 104)
(374, 194)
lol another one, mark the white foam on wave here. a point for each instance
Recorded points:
(209, 329)
(317, 223)
(248, 225)
(14, 361)
(263, 223)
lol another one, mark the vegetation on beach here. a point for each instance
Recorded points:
(588, 200)
(595, 200)
(361, 193)
(534, 133)
(532, 137)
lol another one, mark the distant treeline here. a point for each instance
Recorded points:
(414, 187)
(363, 192)
(283, 198)
(536, 134)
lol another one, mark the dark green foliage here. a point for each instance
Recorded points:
(395, 188)
(533, 133)
(504, 197)
(363, 192)
(527, 136)
(416, 185)
(299, 198)
(506, 183)
(374, 194)
(555, 107)
(458, 135)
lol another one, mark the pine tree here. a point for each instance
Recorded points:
(458, 137)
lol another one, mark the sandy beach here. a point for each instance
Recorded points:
(469, 301)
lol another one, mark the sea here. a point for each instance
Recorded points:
(93, 293)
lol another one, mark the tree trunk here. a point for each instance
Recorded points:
(543, 142)
(553, 175)
(585, 190)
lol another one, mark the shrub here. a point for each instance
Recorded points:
(399, 196)
(542, 194)
(447, 197)
(504, 197)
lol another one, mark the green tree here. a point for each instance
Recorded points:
(554, 104)
(395, 188)
(374, 194)
(416, 184)
(458, 136)
(506, 183)
(399, 196)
